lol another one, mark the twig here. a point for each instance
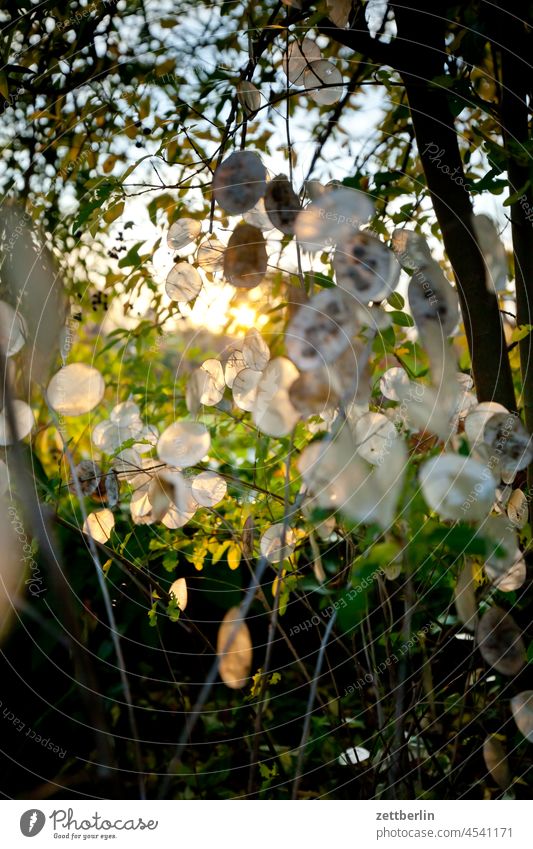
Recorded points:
(115, 638)
(50, 553)
(195, 714)
(310, 703)
(399, 713)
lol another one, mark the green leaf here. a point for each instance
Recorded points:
(169, 561)
(517, 195)
(351, 609)
(403, 319)
(384, 342)
(459, 539)
(353, 182)
(384, 553)
(396, 301)
(152, 615)
(443, 81)
(319, 280)
(132, 258)
(173, 609)
(84, 215)
(383, 178)
(488, 183)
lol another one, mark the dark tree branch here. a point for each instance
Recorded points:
(516, 80)
(438, 149)
(358, 38)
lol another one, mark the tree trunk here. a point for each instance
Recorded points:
(423, 53)
(516, 83)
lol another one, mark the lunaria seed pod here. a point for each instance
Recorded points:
(433, 300)
(239, 182)
(88, 475)
(321, 330)
(282, 204)
(245, 258)
(365, 267)
(505, 434)
(500, 641)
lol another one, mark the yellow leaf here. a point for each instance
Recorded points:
(144, 108)
(255, 689)
(234, 557)
(218, 549)
(172, 151)
(165, 67)
(521, 332)
(275, 583)
(109, 163)
(114, 212)
(4, 87)
(477, 572)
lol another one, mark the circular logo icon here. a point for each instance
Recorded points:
(32, 822)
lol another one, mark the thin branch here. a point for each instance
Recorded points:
(115, 637)
(310, 703)
(49, 550)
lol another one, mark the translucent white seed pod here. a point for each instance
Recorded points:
(365, 267)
